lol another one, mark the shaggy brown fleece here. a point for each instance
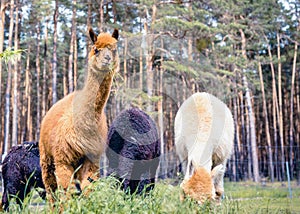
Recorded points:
(74, 131)
(199, 186)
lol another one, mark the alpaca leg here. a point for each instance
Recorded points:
(136, 180)
(188, 168)
(87, 173)
(219, 186)
(183, 166)
(218, 177)
(15, 189)
(153, 167)
(182, 154)
(125, 171)
(48, 178)
(64, 174)
(5, 201)
(20, 197)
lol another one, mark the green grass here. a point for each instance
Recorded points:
(105, 197)
(249, 197)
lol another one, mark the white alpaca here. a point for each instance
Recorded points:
(204, 134)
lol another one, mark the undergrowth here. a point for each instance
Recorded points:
(105, 196)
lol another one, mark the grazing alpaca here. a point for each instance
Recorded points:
(21, 172)
(74, 131)
(204, 134)
(133, 150)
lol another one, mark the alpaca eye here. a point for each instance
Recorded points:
(96, 51)
(111, 47)
(219, 194)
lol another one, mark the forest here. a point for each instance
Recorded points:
(244, 52)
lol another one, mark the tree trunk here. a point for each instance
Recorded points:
(236, 114)
(54, 63)
(161, 116)
(149, 57)
(75, 61)
(251, 115)
(101, 16)
(38, 90)
(8, 85)
(141, 73)
(190, 59)
(2, 22)
(44, 98)
(280, 116)
(72, 43)
(252, 132)
(65, 85)
(297, 127)
(88, 23)
(243, 132)
(271, 168)
(248, 142)
(27, 105)
(14, 139)
(291, 137)
(125, 62)
(278, 168)
(297, 119)
(275, 112)
(150, 75)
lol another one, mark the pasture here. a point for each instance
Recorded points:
(105, 197)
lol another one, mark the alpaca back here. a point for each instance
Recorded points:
(21, 171)
(24, 161)
(133, 150)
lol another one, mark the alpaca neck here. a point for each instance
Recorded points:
(96, 90)
(103, 92)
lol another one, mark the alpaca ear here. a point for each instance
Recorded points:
(217, 171)
(115, 34)
(93, 36)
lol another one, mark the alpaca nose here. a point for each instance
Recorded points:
(107, 57)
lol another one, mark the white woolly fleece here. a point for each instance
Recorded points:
(204, 131)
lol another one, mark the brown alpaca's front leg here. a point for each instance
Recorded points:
(48, 178)
(87, 173)
(65, 177)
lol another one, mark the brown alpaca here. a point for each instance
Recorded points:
(74, 130)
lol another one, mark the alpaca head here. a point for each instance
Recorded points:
(200, 186)
(104, 54)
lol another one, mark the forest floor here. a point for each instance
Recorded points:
(105, 197)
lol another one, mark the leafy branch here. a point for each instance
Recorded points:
(11, 55)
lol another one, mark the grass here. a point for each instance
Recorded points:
(105, 197)
(249, 197)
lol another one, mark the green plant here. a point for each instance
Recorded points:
(105, 196)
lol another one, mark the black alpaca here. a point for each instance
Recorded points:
(133, 150)
(21, 172)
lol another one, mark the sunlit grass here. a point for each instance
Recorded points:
(254, 190)
(104, 196)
